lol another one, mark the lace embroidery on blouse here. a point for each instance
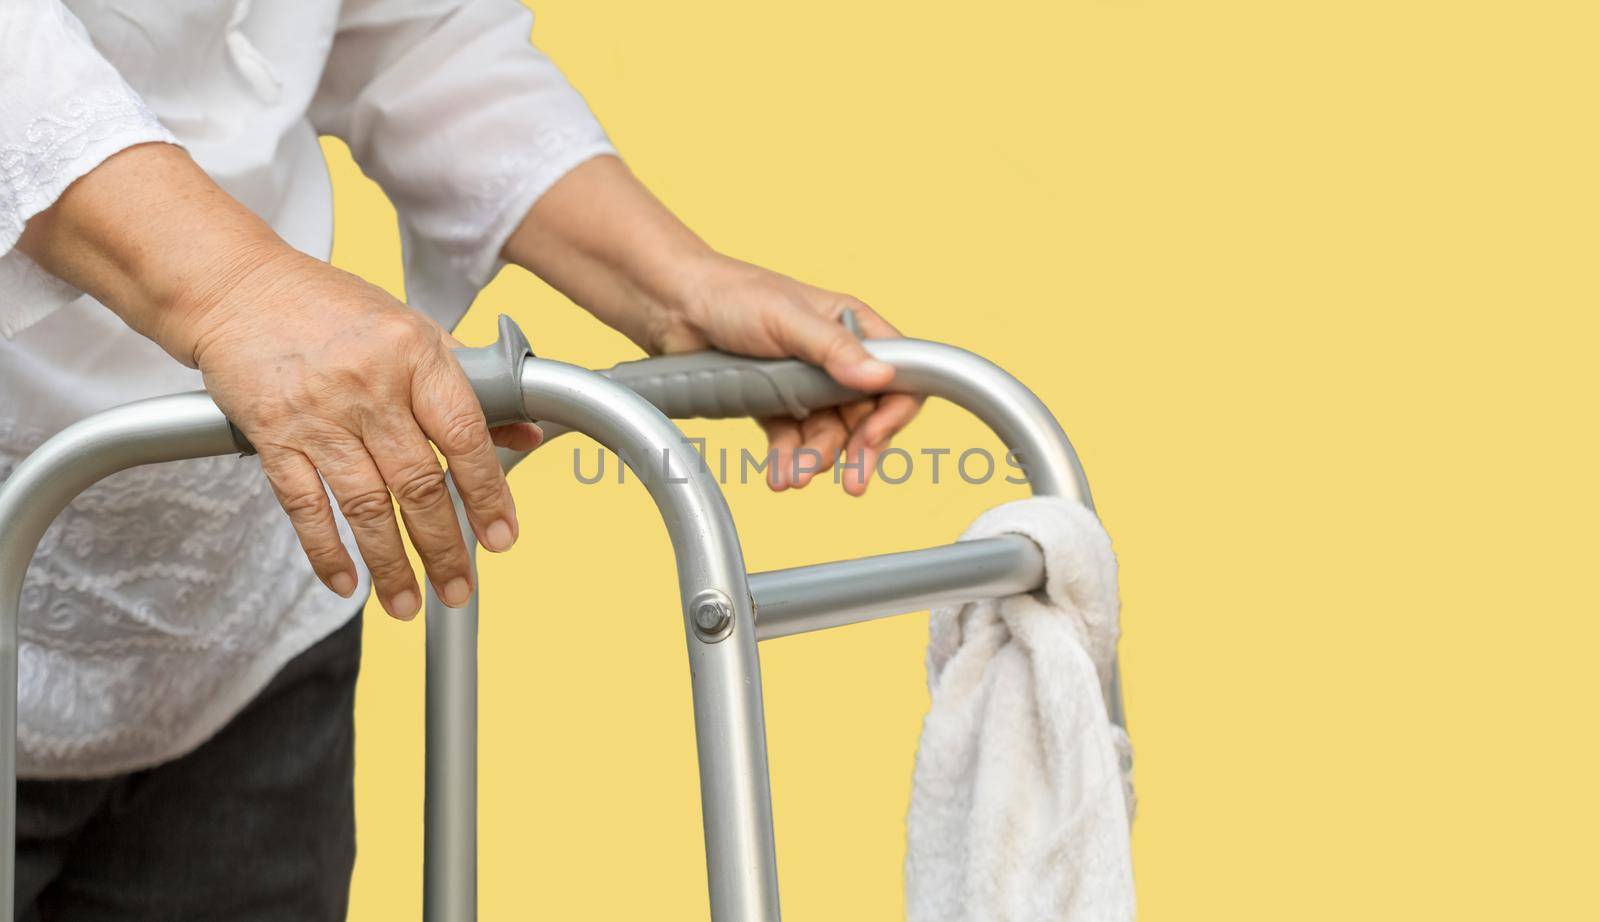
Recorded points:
(31, 173)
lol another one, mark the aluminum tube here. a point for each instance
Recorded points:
(450, 787)
(828, 595)
(1019, 418)
(730, 732)
(986, 390)
(161, 429)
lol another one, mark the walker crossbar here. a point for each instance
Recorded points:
(828, 595)
(725, 611)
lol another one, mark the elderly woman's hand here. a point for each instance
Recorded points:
(745, 309)
(327, 374)
(323, 372)
(603, 239)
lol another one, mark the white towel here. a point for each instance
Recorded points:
(1022, 797)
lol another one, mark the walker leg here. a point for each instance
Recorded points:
(735, 791)
(730, 733)
(450, 811)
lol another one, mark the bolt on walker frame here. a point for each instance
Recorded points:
(725, 610)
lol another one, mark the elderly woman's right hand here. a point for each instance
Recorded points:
(323, 372)
(327, 374)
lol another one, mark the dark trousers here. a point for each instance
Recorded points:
(256, 825)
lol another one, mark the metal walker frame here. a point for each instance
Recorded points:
(725, 609)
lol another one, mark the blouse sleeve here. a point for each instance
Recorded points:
(461, 121)
(63, 110)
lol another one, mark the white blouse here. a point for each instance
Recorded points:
(166, 597)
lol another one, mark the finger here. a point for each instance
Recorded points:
(412, 472)
(857, 467)
(362, 496)
(854, 475)
(870, 434)
(517, 436)
(449, 414)
(299, 490)
(822, 435)
(523, 437)
(892, 414)
(825, 342)
(783, 437)
(856, 412)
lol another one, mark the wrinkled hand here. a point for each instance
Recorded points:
(601, 238)
(745, 309)
(327, 374)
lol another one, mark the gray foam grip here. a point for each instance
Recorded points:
(495, 373)
(716, 385)
(700, 385)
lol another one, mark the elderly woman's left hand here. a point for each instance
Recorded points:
(745, 309)
(599, 236)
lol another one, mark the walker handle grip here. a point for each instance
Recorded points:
(698, 385)
(716, 385)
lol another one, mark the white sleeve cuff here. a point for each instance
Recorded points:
(443, 283)
(63, 111)
(29, 294)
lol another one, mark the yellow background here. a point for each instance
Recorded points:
(1312, 285)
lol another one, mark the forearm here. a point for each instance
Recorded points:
(337, 385)
(602, 239)
(152, 237)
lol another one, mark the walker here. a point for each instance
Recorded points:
(725, 609)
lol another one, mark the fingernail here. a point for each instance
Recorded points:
(878, 368)
(499, 536)
(456, 592)
(343, 583)
(404, 605)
